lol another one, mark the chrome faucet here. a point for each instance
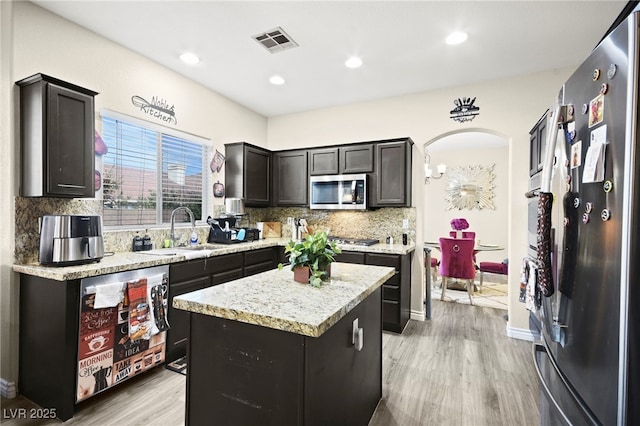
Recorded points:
(172, 234)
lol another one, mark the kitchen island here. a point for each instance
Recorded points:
(268, 350)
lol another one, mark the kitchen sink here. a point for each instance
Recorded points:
(189, 252)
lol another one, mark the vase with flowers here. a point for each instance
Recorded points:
(311, 258)
(459, 225)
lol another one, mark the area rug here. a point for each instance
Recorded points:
(179, 365)
(493, 295)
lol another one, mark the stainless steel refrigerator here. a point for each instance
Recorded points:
(588, 358)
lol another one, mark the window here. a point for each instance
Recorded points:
(150, 170)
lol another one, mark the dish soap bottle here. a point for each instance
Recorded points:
(146, 242)
(137, 243)
(194, 238)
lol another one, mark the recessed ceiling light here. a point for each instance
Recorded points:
(189, 58)
(456, 37)
(353, 62)
(276, 80)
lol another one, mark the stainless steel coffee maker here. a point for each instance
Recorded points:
(70, 239)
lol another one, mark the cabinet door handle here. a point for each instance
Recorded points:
(357, 335)
(68, 185)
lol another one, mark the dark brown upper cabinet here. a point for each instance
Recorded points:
(248, 173)
(537, 145)
(323, 161)
(357, 158)
(391, 186)
(57, 138)
(290, 178)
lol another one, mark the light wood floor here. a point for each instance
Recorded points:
(459, 368)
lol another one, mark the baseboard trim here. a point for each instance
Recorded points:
(522, 334)
(417, 315)
(7, 389)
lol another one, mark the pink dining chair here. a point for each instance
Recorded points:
(457, 262)
(435, 263)
(465, 234)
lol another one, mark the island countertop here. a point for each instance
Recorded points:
(273, 299)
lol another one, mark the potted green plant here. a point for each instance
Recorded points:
(311, 258)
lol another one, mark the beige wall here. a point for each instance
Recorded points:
(34, 40)
(489, 225)
(8, 185)
(507, 107)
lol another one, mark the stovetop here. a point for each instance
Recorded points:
(354, 241)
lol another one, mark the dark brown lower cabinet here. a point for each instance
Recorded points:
(247, 374)
(260, 260)
(197, 274)
(396, 292)
(179, 320)
(49, 312)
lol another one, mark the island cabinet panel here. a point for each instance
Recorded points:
(247, 374)
(339, 376)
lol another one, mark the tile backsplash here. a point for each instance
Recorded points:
(377, 224)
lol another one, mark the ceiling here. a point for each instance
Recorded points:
(401, 43)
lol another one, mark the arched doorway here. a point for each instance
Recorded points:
(465, 151)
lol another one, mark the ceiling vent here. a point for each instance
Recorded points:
(275, 40)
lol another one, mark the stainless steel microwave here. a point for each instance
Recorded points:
(338, 192)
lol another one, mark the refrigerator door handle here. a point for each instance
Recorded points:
(538, 347)
(552, 136)
(576, 409)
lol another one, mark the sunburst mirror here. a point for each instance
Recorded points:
(470, 187)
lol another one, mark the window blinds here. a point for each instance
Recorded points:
(147, 174)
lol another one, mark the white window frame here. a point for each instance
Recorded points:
(206, 175)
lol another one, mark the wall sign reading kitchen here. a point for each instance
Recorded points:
(158, 108)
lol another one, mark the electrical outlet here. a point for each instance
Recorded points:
(405, 223)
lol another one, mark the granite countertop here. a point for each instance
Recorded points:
(273, 299)
(126, 261)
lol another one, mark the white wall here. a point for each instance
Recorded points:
(46, 43)
(507, 107)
